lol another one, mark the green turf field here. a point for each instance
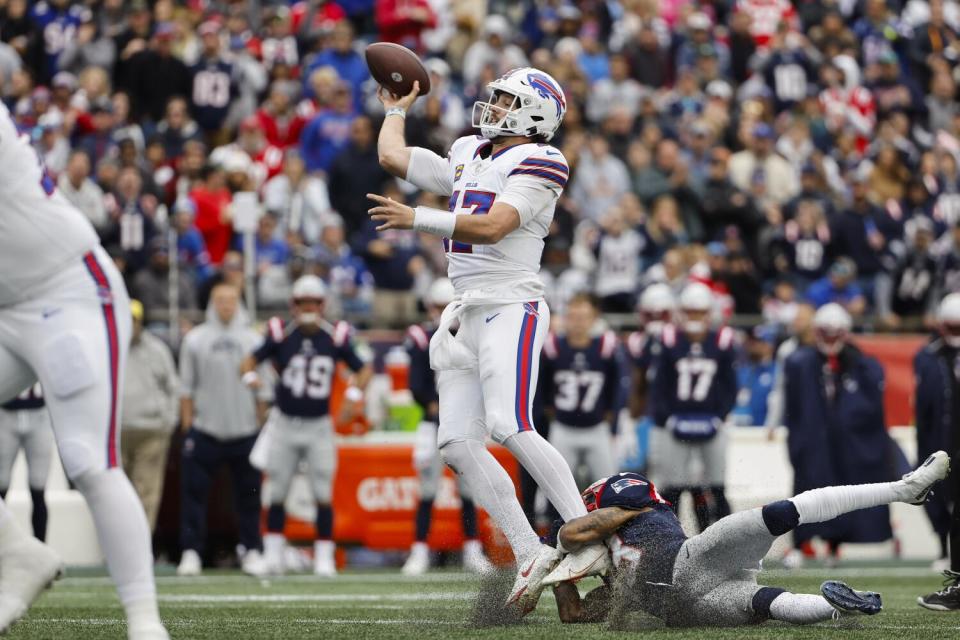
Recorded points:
(381, 604)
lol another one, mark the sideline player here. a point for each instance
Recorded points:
(580, 378)
(711, 578)
(693, 391)
(426, 458)
(25, 424)
(65, 320)
(305, 354)
(503, 186)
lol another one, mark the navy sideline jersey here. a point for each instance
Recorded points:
(213, 89)
(31, 398)
(580, 384)
(422, 381)
(694, 378)
(305, 364)
(643, 350)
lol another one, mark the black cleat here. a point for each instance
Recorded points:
(848, 601)
(948, 598)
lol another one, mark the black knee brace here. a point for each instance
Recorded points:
(780, 517)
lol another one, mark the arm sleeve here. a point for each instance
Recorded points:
(529, 195)
(429, 172)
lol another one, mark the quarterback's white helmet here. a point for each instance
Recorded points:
(696, 297)
(656, 307)
(948, 315)
(538, 105)
(440, 293)
(832, 325)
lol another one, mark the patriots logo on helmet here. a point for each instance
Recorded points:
(623, 483)
(546, 89)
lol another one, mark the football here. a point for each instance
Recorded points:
(397, 68)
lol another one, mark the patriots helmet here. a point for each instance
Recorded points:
(309, 294)
(538, 105)
(831, 325)
(948, 317)
(656, 308)
(696, 303)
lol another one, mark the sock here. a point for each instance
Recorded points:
(468, 515)
(324, 522)
(125, 539)
(801, 608)
(549, 470)
(39, 516)
(820, 505)
(276, 518)
(701, 507)
(721, 508)
(944, 553)
(424, 512)
(493, 490)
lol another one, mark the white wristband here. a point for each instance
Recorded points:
(353, 394)
(396, 111)
(250, 378)
(436, 221)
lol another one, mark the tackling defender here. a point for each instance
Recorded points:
(65, 320)
(503, 186)
(426, 458)
(711, 579)
(305, 354)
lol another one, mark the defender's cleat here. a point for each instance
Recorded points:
(589, 561)
(529, 583)
(419, 560)
(474, 559)
(948, 598)
(324, 561)
(190, 564)
(848, 601)
(920, 481)
(27, 567)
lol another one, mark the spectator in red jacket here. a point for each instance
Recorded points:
(403, 21)
(212, 199)
(278, 117)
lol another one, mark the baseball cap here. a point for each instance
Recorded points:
(843, 268)
(764, 333)
(719, 89)
(208, 28)
(64, 79)
(164, 31)
(698, 21)
(763, 130)
(102, 104)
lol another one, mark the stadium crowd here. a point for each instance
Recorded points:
(776, 151)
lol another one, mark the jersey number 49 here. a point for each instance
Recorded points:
(309, 376)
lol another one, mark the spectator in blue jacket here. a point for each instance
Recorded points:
(840, 286)
(191, 248)
(329, 132)
(347, 62)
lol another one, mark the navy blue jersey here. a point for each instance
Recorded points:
(788, 74)
(305, 365)
(914, 279)
(643, 349)
(31, 398)
(213, 87)
(650, 542)
(807, 252)
(58, 28)
(423, 385)
(948, 273)
(694, 379)
(580, 384)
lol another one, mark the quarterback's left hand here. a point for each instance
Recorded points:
(393, 214)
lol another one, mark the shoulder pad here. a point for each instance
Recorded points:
(608, 344)
(341, 333)
(275, 329)
(669, 336)
(636, 341)
(725, 338)
(419, 337)
(550, 347)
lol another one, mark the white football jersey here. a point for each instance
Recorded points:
(529, 177)
(40, 231)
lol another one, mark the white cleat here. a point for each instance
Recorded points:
(589, 561)
(190, 564)
(793, 560)
(324, 563)
(27, 567)
(148, 632)
(529, 583)
(474, 559)
(919, 482)
(418, 562)
(254, 564)
(274, 551)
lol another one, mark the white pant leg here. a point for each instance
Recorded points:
(283, 457)
(714, 456)
(75, 336)
(321, 453)
(509, 339)
(37, 445)
(9, 445)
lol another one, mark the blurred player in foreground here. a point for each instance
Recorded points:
(503, 186)
(426, 457)
(25, 424)
(305, 354)
(711, 579)
(65, 320)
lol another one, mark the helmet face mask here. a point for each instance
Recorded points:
(951, 333)
(831, 341)
(308, 311)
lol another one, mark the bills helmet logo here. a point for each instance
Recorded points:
(547, 90)
(530, 310)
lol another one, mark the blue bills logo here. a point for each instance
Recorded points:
(547, 90)
(457, 172)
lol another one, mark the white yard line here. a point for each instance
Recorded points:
(316, 597)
